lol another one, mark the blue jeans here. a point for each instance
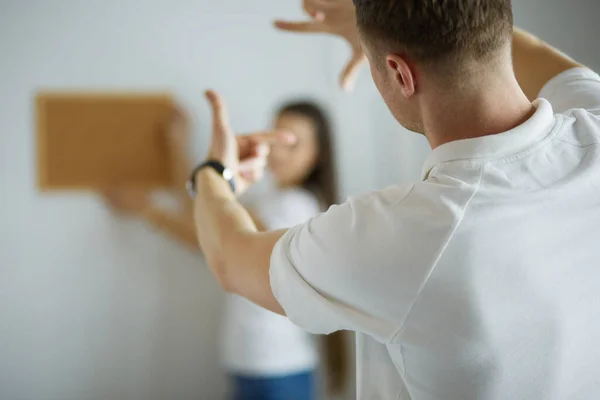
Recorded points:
(286, 387)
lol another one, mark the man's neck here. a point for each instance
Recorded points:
(493, 106)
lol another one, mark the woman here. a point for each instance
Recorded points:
(266, 355)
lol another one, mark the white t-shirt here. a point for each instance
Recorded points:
(257, 342)
(480, 282)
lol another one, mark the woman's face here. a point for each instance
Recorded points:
(291, 165)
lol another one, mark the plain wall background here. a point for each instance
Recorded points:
(97, 307)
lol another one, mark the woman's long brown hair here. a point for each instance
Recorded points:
(321, 181)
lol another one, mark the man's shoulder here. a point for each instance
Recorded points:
(576, 88)
(582, 123)
(390, 196)
(372, 253)
(416, 207)
(432, 192)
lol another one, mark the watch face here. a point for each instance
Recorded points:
(227, 174)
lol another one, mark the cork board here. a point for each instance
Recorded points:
(93, 141)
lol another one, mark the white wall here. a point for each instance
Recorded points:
(93, 307)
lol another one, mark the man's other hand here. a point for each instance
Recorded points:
(336, 17)
(244, 155)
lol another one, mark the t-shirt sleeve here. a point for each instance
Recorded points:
(328, 273)
(574, 88)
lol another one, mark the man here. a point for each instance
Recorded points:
(480, 281)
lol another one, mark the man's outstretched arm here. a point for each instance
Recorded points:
(237, 254)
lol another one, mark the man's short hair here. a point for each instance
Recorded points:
(436, 32)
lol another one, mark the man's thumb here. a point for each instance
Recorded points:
(350, 72)
(219, 111)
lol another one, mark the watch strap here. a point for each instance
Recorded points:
(216, 166)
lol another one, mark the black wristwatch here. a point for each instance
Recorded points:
(222, 170)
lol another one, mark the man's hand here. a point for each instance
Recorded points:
(238, 256)
(245, 155)
(336, 17)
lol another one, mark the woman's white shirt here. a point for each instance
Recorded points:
(258, 342)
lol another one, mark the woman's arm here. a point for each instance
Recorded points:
(178, 225)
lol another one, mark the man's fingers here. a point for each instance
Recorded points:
(320, 5)
(262, 150)
(269, 137)
(350, 72)
(219, 110)
(312, 8)
(304, 26)
(259, 144)
(317, 16)
(252, 164)
(253, 169)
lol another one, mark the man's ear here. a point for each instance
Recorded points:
(403, 74)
